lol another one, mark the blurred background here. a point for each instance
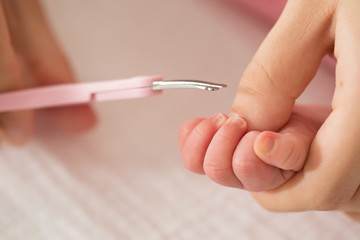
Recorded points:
(125, 179)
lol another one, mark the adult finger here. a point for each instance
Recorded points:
(44, 60)
(330, 178)
(284, 64)
(17, 126)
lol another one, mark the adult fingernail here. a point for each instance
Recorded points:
(219, 119)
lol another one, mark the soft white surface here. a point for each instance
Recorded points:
(124, 179)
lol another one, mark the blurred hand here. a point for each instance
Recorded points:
(30, 56)
(326, 176)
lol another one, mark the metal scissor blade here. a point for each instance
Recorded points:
(176, 84)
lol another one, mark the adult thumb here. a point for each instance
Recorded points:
(285, 63)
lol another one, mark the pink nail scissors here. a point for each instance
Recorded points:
(82, 93)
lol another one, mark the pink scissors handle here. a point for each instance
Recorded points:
(82, 93)
(77, 93)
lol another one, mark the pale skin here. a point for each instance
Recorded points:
(315, 163)
(315, 160)
(30, 56)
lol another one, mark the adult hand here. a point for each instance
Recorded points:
(30, 56)
(285, 63)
